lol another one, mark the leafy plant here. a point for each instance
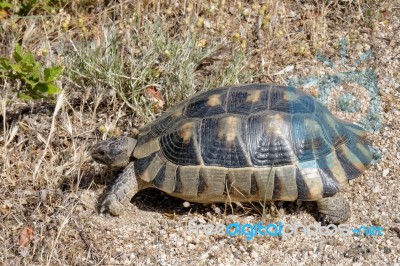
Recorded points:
(29, 7)
(35, 83)
(4, 7)
(5, 4)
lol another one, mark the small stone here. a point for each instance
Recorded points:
(216, 209)
(386, 250)
(186, 204)
(376, 190)
(207, 24)
(43, 194)
(397, 230)
(376, 221)
(254, 254)
(385, 172)
(352, 252)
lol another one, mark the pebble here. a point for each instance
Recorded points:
(385, 172)
(397, 230)
(186, 204)
(254, 254)
(352, 252)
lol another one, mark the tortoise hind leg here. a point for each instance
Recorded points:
(121, 192)
(334, 209)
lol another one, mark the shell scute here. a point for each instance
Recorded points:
(255, 141)
(209, 103)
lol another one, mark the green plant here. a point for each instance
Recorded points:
(5, 4)
(35, 84)
(28, 7)
(151, 57)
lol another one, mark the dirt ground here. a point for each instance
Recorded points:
(126, 62)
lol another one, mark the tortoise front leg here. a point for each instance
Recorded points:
(121, 192)
(334, 209)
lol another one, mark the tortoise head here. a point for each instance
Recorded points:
(114, 152)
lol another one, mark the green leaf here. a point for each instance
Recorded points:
(30, 82)
(24, 96)
(4, 5)
(5, 63)
(52, 73)
(43, 87)
(28, 59)
(18, 53)
(35, 71)
(53, 89)
(48, 88)
(16, 67)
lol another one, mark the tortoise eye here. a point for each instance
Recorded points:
(102, 153)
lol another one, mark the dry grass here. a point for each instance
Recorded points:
(112, 53)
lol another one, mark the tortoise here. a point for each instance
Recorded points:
(254, 142)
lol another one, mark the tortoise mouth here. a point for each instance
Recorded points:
(99, 159)
(108, 162)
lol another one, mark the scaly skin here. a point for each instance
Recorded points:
(334, 209)
(121, 192)
(115, 153)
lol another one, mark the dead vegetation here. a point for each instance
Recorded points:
(124, 63)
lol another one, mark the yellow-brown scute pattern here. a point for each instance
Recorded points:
(253, 96)
(214, 100)
(187, 130)
(250, 143)
(228, 128)
(274, 124)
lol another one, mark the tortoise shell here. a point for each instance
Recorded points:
(250, 142)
